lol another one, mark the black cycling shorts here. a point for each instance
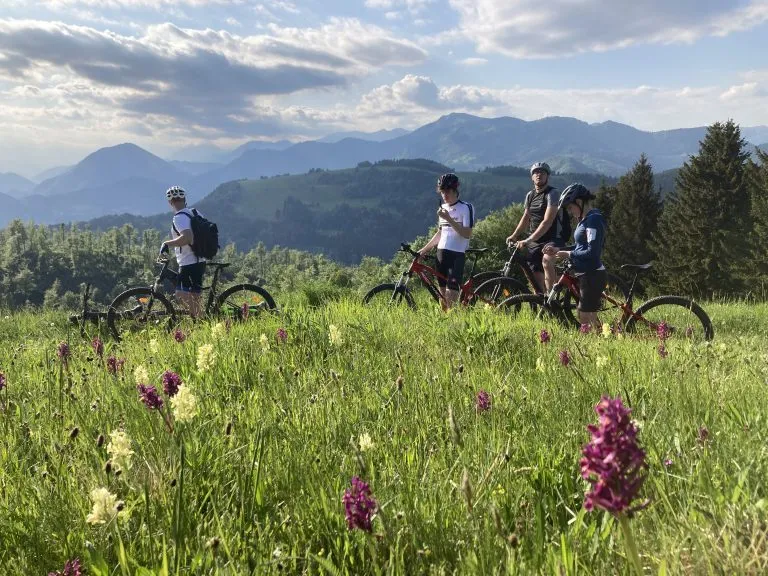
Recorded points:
(591, 286)
(190, 278)
(535, 255)
(451, 265)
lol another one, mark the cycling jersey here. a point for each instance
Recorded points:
(537, 203)
(589, 237)
(464, 214)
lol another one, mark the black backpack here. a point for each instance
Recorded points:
(206, 235)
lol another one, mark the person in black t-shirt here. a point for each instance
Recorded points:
(544, 223)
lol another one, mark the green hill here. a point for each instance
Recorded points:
(351, 213)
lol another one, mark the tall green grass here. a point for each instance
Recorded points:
(253, 484)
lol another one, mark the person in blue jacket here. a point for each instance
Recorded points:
(586, 255)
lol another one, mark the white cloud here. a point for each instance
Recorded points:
(473, 61)
(414, 100)
(533, 29)
(204, 78)
(413, 6)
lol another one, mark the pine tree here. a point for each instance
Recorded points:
(634, 217)
(702, 238)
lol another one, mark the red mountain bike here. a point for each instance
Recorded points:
(399, 292)
(661, 317)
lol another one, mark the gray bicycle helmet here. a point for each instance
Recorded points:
(574, 192)
(541, 166)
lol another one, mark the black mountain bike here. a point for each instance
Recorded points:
(137, 308)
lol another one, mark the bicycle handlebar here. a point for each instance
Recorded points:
(408, 250)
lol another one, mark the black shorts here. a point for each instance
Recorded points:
(190, 278)
(451, 265)
(535, 254)
(591, 286)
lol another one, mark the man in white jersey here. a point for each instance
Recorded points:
(189, 285)
(455, 222)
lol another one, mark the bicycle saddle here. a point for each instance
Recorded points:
(476, 250)
(219, 264)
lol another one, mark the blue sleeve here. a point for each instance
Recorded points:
(586, 256)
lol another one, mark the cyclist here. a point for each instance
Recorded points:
(189, 284)
(585, 256)
(456, 219)
(544, 223)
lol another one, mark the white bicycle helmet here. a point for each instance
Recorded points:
(541, 166)
(175, 192)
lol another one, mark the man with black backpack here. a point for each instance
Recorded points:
(195, 239)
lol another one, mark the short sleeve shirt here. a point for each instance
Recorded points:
(537, 204)
(464, 214)
(182, 220)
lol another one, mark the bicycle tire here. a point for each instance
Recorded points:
(225, 304)
(514, 305)
(115, 319)
(496, 290)
(613, 314)
(480, 277)
(707, 330)
(403, 295)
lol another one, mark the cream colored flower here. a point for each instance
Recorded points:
(264, 341)
(219, 331)
(607, 333)
(540, 365)
(334, 335)
(141, 375)
(105, 506)
(206, 357)
(154, 346)
(365, 442)
(119, 449)
(184, 404)
(602, 362)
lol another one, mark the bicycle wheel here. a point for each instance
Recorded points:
(389, 294)
(671, 317)
(533, 305)
(496, 290)
(481, 277)
(244, 301)
(139, 308)
(609, 312)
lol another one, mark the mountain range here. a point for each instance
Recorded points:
(128, 179)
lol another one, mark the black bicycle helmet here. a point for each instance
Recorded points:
(448, 181)
(574, 192)
(541, 166)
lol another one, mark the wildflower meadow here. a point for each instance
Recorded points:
(356, 440)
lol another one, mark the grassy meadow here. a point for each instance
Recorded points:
(246, 475)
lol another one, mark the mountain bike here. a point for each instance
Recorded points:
(662, 317)
(399, 292)
(495, 286)
(137, 308)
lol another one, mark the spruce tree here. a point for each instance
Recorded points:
(703, 236)
(634, 217)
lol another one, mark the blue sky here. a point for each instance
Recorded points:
(76, 75)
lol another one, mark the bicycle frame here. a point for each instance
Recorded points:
(569, 282)
(166, 273)
(427, 274)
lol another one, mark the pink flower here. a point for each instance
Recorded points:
(483, 401)
(565, 358)
(544, 337)
(613, 462)
(359, 505)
